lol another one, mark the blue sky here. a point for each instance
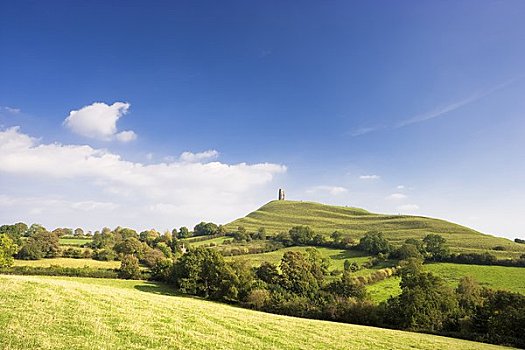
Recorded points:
(410, 107)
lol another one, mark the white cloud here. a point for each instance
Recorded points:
(396, 196)
(408, 208)
(400, 187)
(189, 157)
(10, 109)
(99, 121)
(332, 190)
(126, 136)
(369, 177)
(180, 192)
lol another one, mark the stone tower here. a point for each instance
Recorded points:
(281, 194)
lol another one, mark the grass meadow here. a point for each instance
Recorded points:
(81, 313)
(495, 277)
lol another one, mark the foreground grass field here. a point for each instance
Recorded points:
(80, 313)
(279, 216)
(495, 277)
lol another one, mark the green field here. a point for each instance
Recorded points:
(69, 262)
(495, 277)
(217, 240)
(337, 256)
(82, 313)
(73, 242)
(279, 216)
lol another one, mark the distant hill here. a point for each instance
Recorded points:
(90, 313)
(279, 216)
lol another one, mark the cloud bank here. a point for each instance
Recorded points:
(161, 194)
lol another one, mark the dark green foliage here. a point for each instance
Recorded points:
(183, 232)
(205, 229)
(501, 319)
(15, 232)
(301, 235)
(426, 303)
(41, 244)
(374, 243)
(73, 253)
(347, 287)
(129, 246)
(260, 234)
(204, 272)
(104, 254)
(407, 251)
(435, 247)
(129, 267)
(518, 240)
(102, 240)
(149, 237)
(298, 274)
(152, 257)
(268, 273)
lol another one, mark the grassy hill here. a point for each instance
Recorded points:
(81, 313)
(278, 216)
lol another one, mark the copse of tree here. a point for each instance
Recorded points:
(182, 233)
(15, 232)
(129, 267)
(149, 237)
(205, 229)
(301, 235)
(8, 248)
(435, 247)
(41, 244)
(79, 232)
(518, 240)
(426, 303)
(130, 246)
(407, 251)
(34, 229)
(204, 272)
(374, 243)
(63, 231)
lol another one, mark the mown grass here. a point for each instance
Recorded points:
(81, 313)
(69, 262)
(216, 240)
(279, 216)
(494, 277)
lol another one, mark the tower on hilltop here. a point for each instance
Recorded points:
(281, 194)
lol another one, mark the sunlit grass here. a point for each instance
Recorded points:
(81, 313)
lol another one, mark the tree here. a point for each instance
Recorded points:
(204, 272)
(426, 303)
(260, 234)
(296, 275)
(301, 235)
(205, 229)
(7, 249)
(35, 228)
(435, 247)
(129, 246)
(373, 242)
(183, 232)
(268, 273)
(347, 287)
(78, 232)
(469, 294)
(408, 251)
(149, 236)
(14, 231)
(129, 267)
(336, 236)
(41, 244)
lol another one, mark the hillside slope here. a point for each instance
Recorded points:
(79, 313)
(279, 216)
